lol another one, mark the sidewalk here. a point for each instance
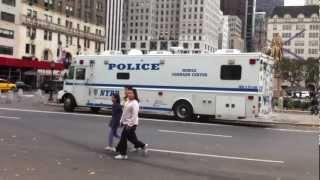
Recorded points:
(290, 118)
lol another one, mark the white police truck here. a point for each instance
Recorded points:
(222, 85)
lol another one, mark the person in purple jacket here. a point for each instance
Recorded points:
(115, 121)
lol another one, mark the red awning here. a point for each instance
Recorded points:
(28, 64)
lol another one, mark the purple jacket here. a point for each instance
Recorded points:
(116, 116)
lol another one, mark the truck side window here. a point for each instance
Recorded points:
(71, 73)
(230, 72)
(123, 76)
(80, 74)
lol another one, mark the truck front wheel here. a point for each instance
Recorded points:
(183, 111)
(69, 104)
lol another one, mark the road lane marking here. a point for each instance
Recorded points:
(9, 117)
(53, 112)
(148, 119)
(293, 130)
(216, 156)
(193, 133)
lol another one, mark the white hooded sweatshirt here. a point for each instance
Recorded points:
(130, 113)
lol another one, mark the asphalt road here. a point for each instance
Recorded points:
(40, 145)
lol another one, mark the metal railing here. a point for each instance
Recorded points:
(43, 24)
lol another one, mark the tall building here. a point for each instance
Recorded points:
(59, 30)
(299, 27)
(224, 33)
(9, 17)
(114, 12)
(245, 10)
(268, 5)
(48, 31)
(260, 37)
(235, 31)
(152, 25)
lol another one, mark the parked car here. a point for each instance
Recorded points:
(52, 85)
(22, 85)
(6, 85)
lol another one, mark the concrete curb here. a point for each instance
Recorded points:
(238, 122)
(292, 111)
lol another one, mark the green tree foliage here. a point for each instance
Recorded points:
(312, 72)
(296, 71)
(292, 71)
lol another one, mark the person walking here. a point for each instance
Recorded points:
(314, 105)
(130, 121)
(125, 98)
(115, 121)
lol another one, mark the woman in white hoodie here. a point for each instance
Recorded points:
(130, 121)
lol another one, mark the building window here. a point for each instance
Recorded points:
(313, 35)
(5, 33)
(31, 32)
(286, 27)
(287, 43)
(286, 35)
(299, 43)
(47, 35)
(153, 45)
(6, 50)
(185, 45)
(46, 55)
(123, 45)
(30, 48)
(133, 45)
(313, 51)
(27, 48)
(163, 45)
(197, 45)
(86, 43)
(143, 45)
(313, 43)
(9, 2)
(7, 17)
(299, 51)
(299, 26)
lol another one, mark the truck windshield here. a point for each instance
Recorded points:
(71, 72)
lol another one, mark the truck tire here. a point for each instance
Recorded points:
(69, 104)
(95, 109)
(183, 111)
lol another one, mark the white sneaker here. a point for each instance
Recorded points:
(109, 148)
(121, 157)
(145, 149)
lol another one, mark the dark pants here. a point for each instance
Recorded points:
(128, 133)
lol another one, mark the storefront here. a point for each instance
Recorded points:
(29, 71)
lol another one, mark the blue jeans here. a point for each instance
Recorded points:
(112, 133)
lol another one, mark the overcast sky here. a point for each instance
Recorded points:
(294, 2)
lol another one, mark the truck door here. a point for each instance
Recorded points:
(79, 86)
(238, 106)
(230, 107)
(223, 106)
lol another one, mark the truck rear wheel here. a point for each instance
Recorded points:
(69, 104)
(95, 109)
(183, 111)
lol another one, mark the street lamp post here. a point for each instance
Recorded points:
(52, 65)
